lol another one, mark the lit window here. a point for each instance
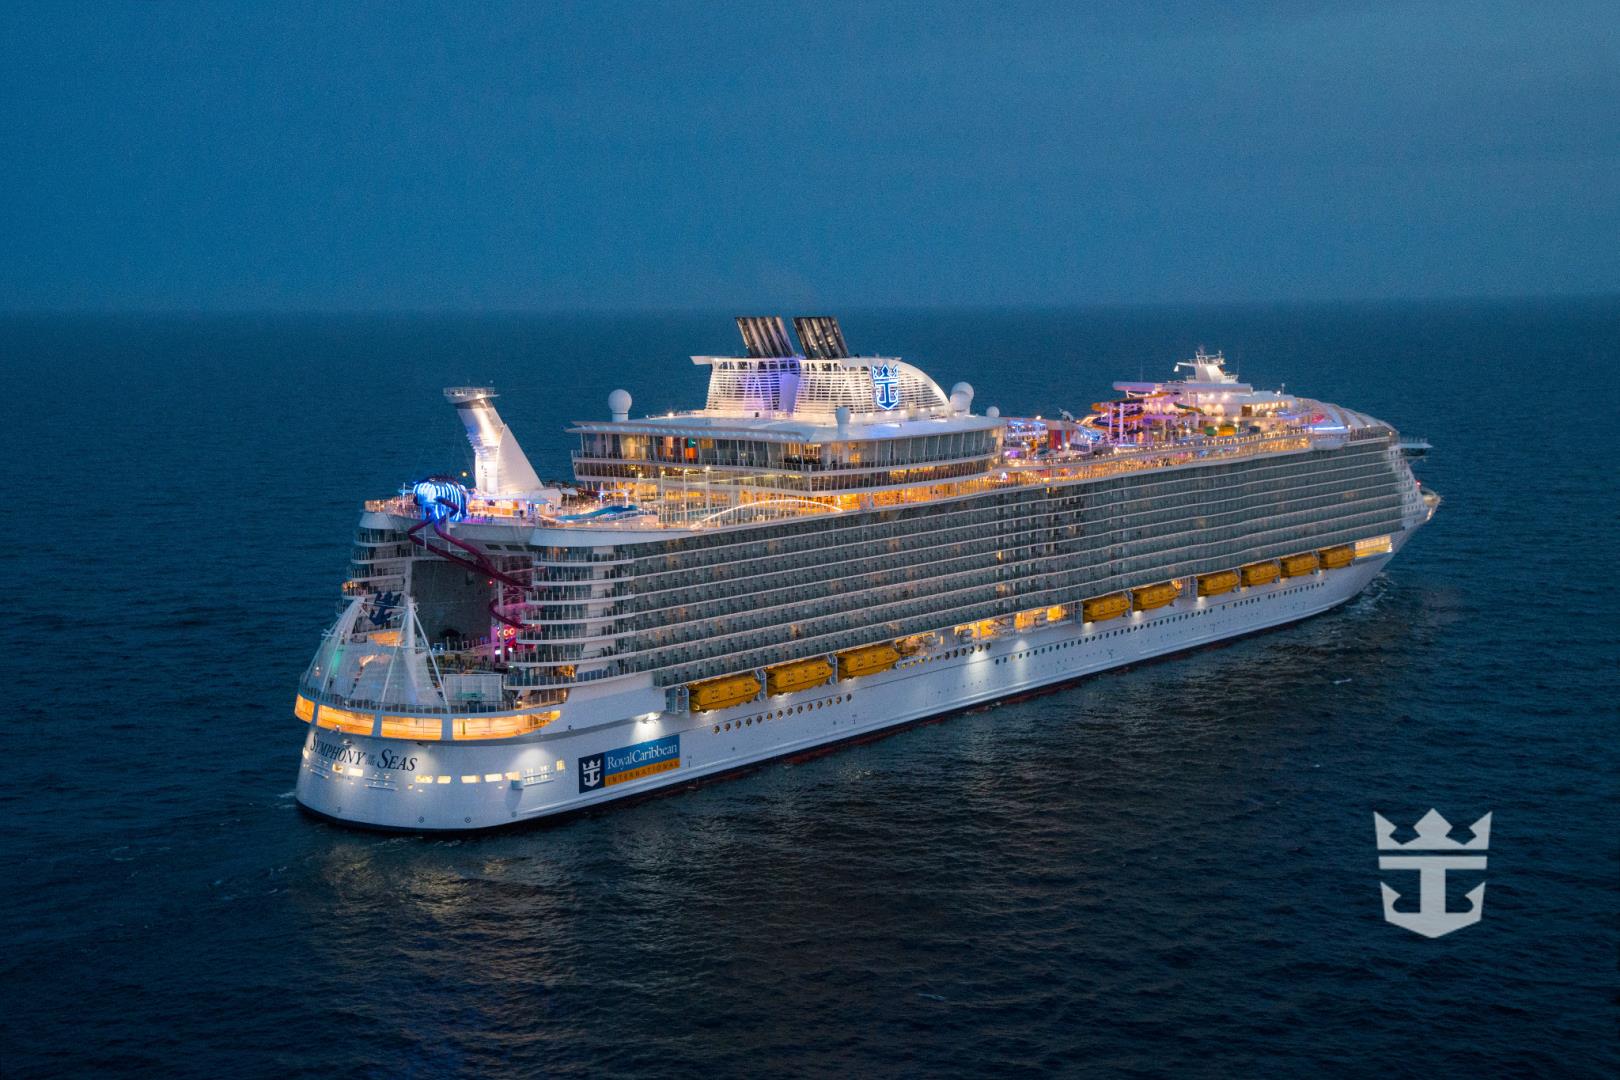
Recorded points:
(355, 770)
(561, 764)
(337, 769)
(443, 780)
(492, 778)
(469, 779)
(514, 776)
(424, 779)
(1378, 545)
(411, 727)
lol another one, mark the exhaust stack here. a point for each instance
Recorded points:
(501, 468)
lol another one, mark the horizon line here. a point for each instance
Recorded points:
(709, 309)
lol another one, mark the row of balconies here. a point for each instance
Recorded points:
(702, 619)
(1150, 570)
(719, 662)
(738, 652)
(708, 618)
(538, 594)
(734, 556)
(836, 577)
(806, 570)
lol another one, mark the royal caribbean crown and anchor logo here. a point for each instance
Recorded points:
(1433, 919)
(886, 385)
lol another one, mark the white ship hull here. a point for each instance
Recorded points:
(572, 765)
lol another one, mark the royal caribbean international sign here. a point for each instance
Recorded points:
(629, 763)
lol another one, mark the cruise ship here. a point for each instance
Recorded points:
(830, 548)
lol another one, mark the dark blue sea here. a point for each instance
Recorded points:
(1168, 870)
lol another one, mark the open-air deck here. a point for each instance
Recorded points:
(707, 498)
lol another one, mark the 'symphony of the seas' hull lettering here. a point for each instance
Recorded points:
(832, 547)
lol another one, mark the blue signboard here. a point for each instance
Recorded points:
(629, 763)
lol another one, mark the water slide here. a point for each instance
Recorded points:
(475, 559)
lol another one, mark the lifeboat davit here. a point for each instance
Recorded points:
(1334, 558)
(1299, 565)
(722, 693)
(1149, 597)
(1216, 584)
(866, 661)
(1101, 608)
(799, 675)
(1259, 573)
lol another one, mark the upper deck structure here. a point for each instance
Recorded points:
(785, 432)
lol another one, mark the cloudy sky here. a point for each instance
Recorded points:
(547, 156)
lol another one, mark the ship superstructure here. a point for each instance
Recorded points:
(832, 546)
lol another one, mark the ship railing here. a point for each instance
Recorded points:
(457, 707)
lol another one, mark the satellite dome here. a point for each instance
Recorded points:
(619, 404)
(992, 412)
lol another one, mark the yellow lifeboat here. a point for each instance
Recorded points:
(1099, 608)
(1335, 557)
(800, 675)
(1259, 573)
(1214, 584)
(1299, 565)
(1226, 429)
(866, 661)
(1149, 597)
(722, 693)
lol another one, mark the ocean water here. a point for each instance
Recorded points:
(1164, 870)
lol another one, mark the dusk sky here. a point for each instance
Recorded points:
(445, 157)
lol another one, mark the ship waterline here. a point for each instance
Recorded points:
(831, 548)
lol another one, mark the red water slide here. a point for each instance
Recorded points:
(478, 560)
